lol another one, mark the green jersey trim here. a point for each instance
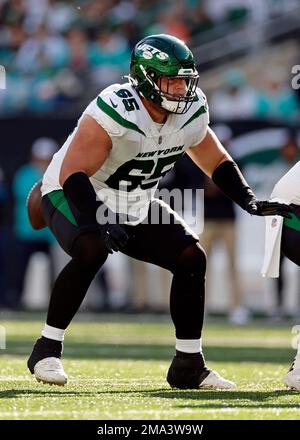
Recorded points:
(199, 112)
(59, 201)
(293, 223)
(116, 116)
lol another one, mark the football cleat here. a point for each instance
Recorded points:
(217, 382)
(50, 370)
(190, 372)
(44, 362)
(292, 379)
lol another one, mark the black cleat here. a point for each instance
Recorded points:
(188, 371)
(44, 348)
(44, 362)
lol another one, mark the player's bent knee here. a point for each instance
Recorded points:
(193, 260)
(90, 249)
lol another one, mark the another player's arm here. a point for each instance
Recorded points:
(217, 163)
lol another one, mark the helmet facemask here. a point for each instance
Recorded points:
(174, 103)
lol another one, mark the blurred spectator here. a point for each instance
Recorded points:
(77, 50)
(220, 228)
(42, 51)
(37, 45)
(171, 21)
(60, 16)
(109, 57)
(36, 11)
(199, 20)
(28, 241)
(235, 99)
(277, 101)
(124, 12)
(237, 11)
(13, 11)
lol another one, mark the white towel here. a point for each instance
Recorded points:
(271, 262)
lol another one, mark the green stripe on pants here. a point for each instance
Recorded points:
(59, 201)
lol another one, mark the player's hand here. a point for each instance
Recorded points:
(264, 207)
(114, 236)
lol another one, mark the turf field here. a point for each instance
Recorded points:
(117, 367)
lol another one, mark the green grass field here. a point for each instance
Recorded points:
(117, 367)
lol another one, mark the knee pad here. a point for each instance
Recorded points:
(192, 260)
(90, 249)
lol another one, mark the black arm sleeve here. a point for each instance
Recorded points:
(232, 183)
(80, 191)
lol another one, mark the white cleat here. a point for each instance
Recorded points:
(215, 381)
(292, 379)
(50, 370)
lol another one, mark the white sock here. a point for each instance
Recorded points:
(53, 333)
(189, 345)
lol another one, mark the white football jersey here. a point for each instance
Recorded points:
(142, 152)
(287, 188)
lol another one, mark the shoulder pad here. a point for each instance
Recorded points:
(119, 102)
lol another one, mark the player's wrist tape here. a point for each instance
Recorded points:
(79, 190)
(232, 183)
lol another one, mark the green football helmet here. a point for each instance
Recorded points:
(164, 56)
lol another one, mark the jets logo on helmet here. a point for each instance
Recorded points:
(164, 56)
(149, 52)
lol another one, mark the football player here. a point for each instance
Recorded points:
(125, 141)
(283, 236)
